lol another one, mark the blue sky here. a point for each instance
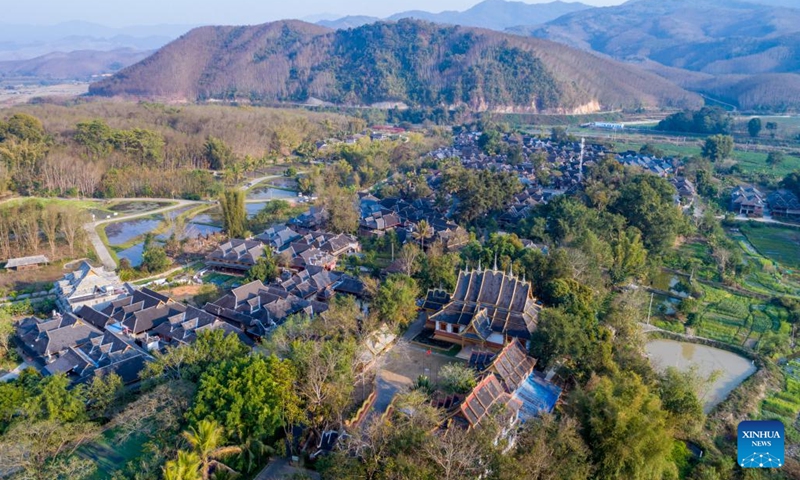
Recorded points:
(120, 13)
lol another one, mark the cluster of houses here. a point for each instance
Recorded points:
(750, 201)
(107, 326)
(381, 216)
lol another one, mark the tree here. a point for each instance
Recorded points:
(455, 378)
(409, 255)
(651, 151)
(397, 300)
(71, 221)
(325, 378)
(627, 429)
(629, 256)
(207, 439)
(773, 128)
(548, 449)
(423, 231)
(754, 127)
(775, 158)
(246, 395)
(154, 258)
(234, 215)
(103, 391)
(559, 135)
(341, 208)
(791, 182)
(718, 147)
(43, 450)
(217, 153)
(647, 202)
(265, 269)
(679, 396)
(50, 227)
(188, 362)
(186, 467)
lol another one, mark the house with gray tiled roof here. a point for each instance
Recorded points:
(784, 204)
(256, 308)
(90, 286)
(236, 255)
(747, 200)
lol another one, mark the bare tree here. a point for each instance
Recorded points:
(50, 223)
(5, 236)
(409, 255)
(26, 228)
(71, 222)
(457, 454)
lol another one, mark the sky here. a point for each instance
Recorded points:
(121, 13)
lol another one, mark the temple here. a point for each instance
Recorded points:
(488, 310)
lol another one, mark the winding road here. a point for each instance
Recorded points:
(91, 228)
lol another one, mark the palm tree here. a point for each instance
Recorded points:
(424, 231)
(207, 440)
(186, 467)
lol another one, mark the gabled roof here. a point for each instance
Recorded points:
(513, 365)
(26, 261)
(485, 399)
(492, 296)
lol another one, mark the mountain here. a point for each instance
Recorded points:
(499, 14)
(713, 36)
(491, 14)
(77, 65)
(22, 42)
(350, 21)
(720, 38)
(414, 62)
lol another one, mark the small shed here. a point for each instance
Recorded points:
(26, 263)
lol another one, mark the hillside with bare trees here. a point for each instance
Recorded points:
(413, 62)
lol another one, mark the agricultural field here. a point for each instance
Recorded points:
(778, 243)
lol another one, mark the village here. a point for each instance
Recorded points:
(483, 325)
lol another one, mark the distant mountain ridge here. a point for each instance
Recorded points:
(412, 62)
(23, 42)
(725, 39)
(491, 14)
(81, 65)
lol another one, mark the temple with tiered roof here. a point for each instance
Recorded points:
(488, 309)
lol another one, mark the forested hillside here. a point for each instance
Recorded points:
(120, 149)
(743, 49)
(417, 63)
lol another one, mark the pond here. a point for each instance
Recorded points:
(133, 254)
(270, 193)
(733, 369)
(136, 207)
(119, 233)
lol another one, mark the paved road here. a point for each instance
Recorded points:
(742, 218)
(13, 374)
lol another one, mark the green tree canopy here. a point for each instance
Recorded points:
(754, 127)
(234, 215)
(397, 300)
(628, 431)
(718, 147)
(246, 395)
(265, 269)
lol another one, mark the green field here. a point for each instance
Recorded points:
(110, 456)
(778, 243)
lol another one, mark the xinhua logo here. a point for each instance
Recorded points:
(761, 444)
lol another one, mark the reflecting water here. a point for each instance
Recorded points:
(729, 368)
(122, 232)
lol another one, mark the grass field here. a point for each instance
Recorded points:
(110, 456)
(778, 243)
